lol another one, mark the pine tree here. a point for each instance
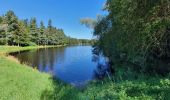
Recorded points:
(34, 35)
(42, 34)
(12, 33)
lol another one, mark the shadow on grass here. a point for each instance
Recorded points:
(60, 91)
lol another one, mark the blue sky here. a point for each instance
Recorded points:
(65, 14)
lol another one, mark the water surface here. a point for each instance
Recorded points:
(72, 64)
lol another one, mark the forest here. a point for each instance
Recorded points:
(16, 32)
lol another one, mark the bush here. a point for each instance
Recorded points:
(2, 41)
(32, 44)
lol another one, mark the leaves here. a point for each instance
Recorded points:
(139, 28)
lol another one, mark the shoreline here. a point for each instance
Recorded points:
(9, 49)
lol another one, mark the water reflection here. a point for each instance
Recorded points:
(73, 64)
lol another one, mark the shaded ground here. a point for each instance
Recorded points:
(61, 91)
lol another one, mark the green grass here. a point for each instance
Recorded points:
(20, 82)
(8, 49)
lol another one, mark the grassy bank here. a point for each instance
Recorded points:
(19, 82)
(8, 49)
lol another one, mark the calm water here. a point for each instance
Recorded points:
(72, 64)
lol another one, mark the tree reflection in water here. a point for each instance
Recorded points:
(102, 69)
(72, 64)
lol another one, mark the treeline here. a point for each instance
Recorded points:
(135, 33)
(14, 31)
(74, 41)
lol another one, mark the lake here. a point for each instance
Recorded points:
(72, 64)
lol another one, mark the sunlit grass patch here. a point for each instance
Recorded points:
(19, 82)
(8, 49)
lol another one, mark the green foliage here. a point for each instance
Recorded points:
(136, 31)
(12, 31)
(34, 31)
(1, 19)
(42, 38)
(2, 37)
(141, 89)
